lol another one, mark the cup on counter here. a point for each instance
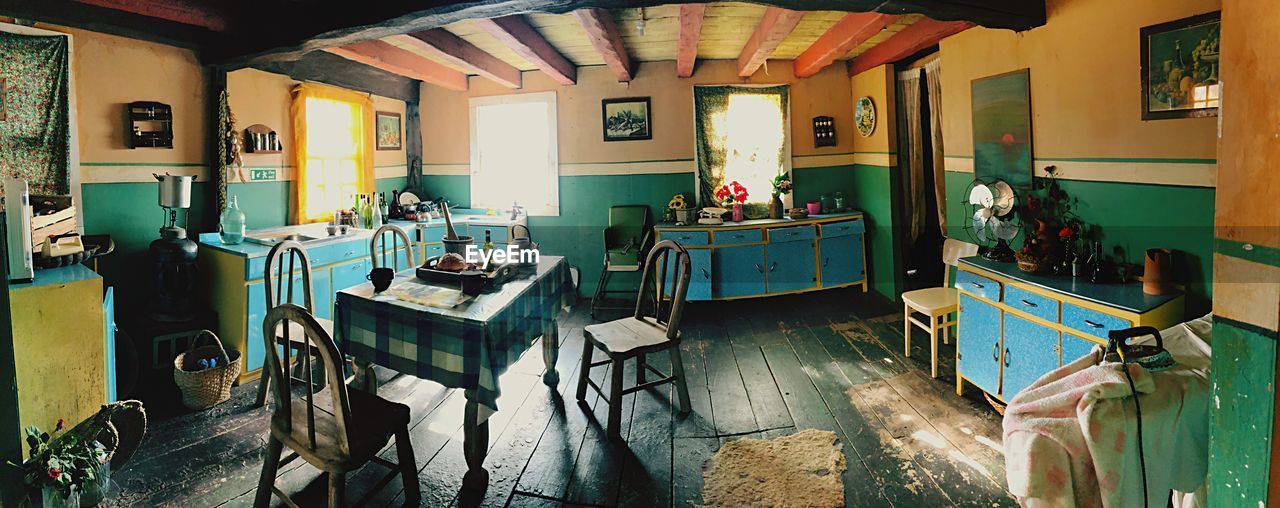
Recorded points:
(381, 278)
(814, 207)
(472, 282)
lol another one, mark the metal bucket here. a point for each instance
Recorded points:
(458, 246)
(175, 190)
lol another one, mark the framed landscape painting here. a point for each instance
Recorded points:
(1180, 68)
(1002, 128)
(388, 130)
(626, 119)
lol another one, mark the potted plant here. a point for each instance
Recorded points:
(781, 187)
(733, 193)
(62, 466)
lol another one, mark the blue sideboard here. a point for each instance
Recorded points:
(1014, 327)
(771, 256)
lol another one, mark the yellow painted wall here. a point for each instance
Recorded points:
(1085, 98)
(445, 116)
(877, 83)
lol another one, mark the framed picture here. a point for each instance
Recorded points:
(626, 119)
(388, 125)
(1180, 68)
(1002, 128)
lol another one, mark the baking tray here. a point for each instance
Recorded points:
(492, 279)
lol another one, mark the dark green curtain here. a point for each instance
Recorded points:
(35, 139)
(708, 102)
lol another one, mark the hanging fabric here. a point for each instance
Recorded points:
(933, 80)
(913, 164)
(760, 158)
(35, 133)
(360, 138)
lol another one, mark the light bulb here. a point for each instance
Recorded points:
(640, 22)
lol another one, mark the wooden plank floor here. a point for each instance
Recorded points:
(757, 369)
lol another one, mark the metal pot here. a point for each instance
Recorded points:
(175, 190)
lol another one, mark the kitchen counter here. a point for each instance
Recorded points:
(756, 223)
(1126, 296)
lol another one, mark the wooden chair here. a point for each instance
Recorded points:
(937, 303)
(335, 430)
(626, 240)
(639, 335)
(378, 247)
(279, 284)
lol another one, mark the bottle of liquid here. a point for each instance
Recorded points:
(366, 213)
(488, 244)
(231, 224)
(394, 211)
(383, 209)
(1097, 265)
(378, 208)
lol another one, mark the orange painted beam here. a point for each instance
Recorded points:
(604, 36)
(179, 11)
(383, 55)
(913, 38)
(690, 32)
(443, 44)
(852, 30)
(516, 33)
(776, 24)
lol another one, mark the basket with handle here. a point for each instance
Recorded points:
(205, 388)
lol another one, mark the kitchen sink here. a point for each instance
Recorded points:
(272, 239)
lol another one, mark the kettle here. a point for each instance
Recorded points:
(522, 244)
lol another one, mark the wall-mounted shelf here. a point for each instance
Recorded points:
(150, 125)
(260, 139)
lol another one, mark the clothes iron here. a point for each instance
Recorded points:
(1152, 358)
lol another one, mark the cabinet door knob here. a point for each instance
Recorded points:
(976, 285)
(995, 352)
(705, 273)
(772, 266)
(824, 262)
(758, 269)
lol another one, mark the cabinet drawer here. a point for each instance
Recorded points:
(686, 237)
(319, 256)
(777, 235)
(497, 232)
(435, 232)
(843, 228)
(978, 285)
(1091, 322)
(350, 275)
(431, 250)
(1039, 306)
(737, 237)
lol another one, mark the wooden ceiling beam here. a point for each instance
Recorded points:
(446, 46)
(179, 11)
(690, 33)
(848, 33)
(384, 56)
(604, 36)
(516, 33)
(912, 39)
(776, 24)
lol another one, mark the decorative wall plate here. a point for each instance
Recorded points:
(864, 116)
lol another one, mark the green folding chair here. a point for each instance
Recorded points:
(626, 241)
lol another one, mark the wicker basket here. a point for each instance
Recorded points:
(1031, 263)
(205, 388)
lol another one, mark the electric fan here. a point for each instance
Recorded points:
(992, 205)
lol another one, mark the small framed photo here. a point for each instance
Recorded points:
(388, 129)
(1180, 65)
(626, 119)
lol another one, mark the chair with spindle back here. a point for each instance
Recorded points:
(638, 335)
(278, 282)
(336, 430)
(378, 247)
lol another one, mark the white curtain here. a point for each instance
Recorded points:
(933, 78)
(913, 162)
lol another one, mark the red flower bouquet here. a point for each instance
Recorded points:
(731, 193)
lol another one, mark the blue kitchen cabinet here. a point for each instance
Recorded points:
(1034, 353)
(321, 298)
(1074, 347)
(738, 271)
(699, 276)
(109, 322)
(352, 274)
(978, 343)
(841, 260)
(790, 266)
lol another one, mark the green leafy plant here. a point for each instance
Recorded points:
(62, 461)
(782, 184)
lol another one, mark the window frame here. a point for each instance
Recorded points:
(552, 208)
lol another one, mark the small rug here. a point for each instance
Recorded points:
(802, 469)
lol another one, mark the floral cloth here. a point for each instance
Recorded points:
(35, 140)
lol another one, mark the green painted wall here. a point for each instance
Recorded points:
(1133, 217)
(585, 200)
(1243, 370)
(130, 214)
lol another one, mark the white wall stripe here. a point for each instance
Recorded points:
(1158, 173)
(673, 166)
(93, 174)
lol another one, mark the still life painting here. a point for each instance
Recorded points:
(388, 129)
(626, 119)
(1002, 128)
(1180, 68)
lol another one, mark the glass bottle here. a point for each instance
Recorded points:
(377, 209)
(231, 223)
(1097, 270)
(366, 213)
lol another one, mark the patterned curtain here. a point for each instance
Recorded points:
(711, 130)
(933, 78)
(35, 139)
(913, 162)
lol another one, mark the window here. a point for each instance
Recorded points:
(333, 155)
(514, 155)
(743, 135)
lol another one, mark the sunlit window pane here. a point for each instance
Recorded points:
(333, 145)
(514, 154)
(754, 142)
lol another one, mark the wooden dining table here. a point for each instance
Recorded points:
(466, 346)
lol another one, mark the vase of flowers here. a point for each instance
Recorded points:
(733, 195)
(62, 466)
(781, 187)
(1053, 228)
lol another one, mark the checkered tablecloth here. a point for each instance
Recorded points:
(467, 346)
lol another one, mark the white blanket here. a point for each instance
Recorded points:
(1070, 438)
